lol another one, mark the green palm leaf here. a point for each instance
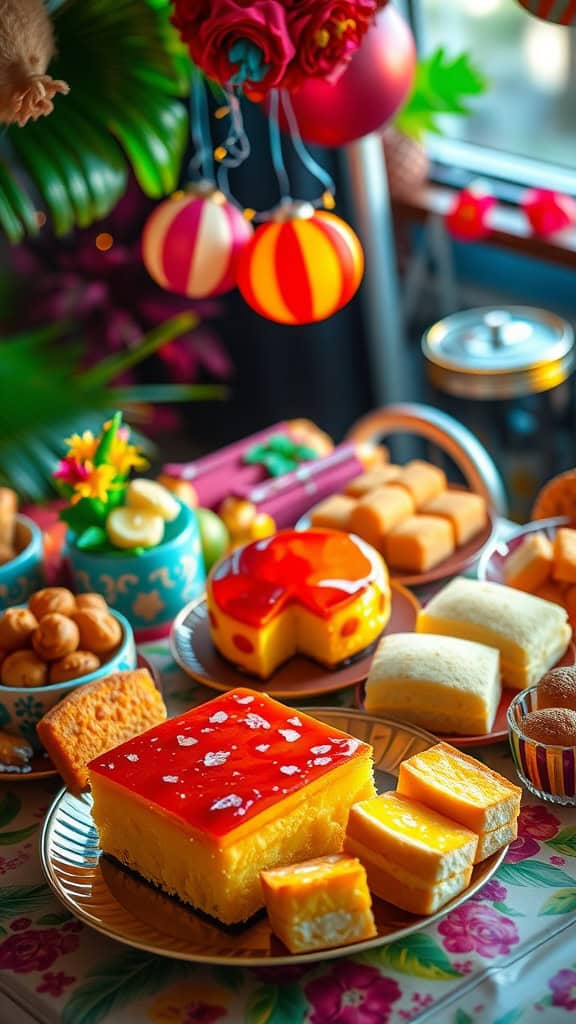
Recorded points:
(126, 68)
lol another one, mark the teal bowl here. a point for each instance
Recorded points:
(150, 588)
(24, 574)
(21, 707)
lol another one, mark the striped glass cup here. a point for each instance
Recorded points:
(547, 770)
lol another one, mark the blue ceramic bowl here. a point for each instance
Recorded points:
(150, 588)
(22, 706)
(25, 573)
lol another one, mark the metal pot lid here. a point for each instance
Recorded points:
(500, 352)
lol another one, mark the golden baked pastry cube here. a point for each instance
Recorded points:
(372, 480)
(565, 555)
(334, 512)
(319, 904)
(459, 786)
(378, 512)
(423, 481)
(419, 543)
(467, 513)
(530, 565)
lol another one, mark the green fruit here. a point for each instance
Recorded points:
(214, 536)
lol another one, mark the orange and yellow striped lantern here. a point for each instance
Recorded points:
(301, 267)
(191, 244)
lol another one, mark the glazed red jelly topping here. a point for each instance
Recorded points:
(223, 763)
(319, 569)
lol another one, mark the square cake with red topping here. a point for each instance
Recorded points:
(202, 803)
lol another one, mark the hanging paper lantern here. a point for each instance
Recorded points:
(548, 212)
(301, 267)
(468, 218)
(561, 12)
(368, 92)
(191, 244)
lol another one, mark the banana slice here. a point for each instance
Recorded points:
(134, 528)
(150, 496)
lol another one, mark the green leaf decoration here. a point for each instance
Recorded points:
(126, 68)
(11, 838)
(503, 908)
(440, 86)
(118, 982)
(91, 538)
(528, 872)
(564, 842)
(418, 955)
(511, 1016)
(9, 807)
(16, 900)
(54, 919)
(561, 902)
(276, 1004)
(460, 1017)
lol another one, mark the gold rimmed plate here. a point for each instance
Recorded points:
(122, 906)
(299, 678)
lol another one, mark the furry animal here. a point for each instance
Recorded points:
(26, 49)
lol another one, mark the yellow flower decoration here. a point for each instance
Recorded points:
(82, 446)
(124, 457)
(99, 481)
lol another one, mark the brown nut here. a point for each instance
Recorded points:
(556, 726)
(557, 689)
(99, 631)
(91, 601)
(73, 666)
(55, 637)
(52, 599)
(16, 628)
(24, 668)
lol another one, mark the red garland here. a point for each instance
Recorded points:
(257, 45)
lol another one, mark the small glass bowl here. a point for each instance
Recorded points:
(548, 771)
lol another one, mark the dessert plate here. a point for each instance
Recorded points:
(41, 767)
(499, 730)
(463, 558)
(299, 678)
(122, 906)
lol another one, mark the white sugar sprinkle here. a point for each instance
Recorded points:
(214, 758)
(294, 720)
(243, 700)
(290, 735)
(322, 760)
(289, 769)
(254, 721)
(132, 757)
(227, 801)
(170, 778)
(218, 717)
(110, 765)
(186, 741)
(350, 746)
(207, 729)
(274, 789)
(263, 747)
(322, 749)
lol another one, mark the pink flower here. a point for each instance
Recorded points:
(493, 891)
(557, 860)
(54, 984)
(237, 41)
(70, 471)
(522, 848)
(474, 927)
(20, 923)
(537, 822)
(563, 987)
(326, 35)
(35, 950)
(351, 994)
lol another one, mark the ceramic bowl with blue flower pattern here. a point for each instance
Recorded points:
(24, 574)
(152, 587)
(21, 707)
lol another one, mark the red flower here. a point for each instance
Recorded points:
(326, 34)
(35, 950)
(474, 927)
(54, 984)
(352, 994)
(537, 822)
(521, 849)
(467, 219)
(20, 923)
(548, 212)
(563, 987)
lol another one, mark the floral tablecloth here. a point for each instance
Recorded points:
(507, 955)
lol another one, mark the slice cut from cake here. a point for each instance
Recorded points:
(203, 803)
(319, 904)
(98, 716)
(414, 857)
(322, 593)
(419, 543)
(437, 682)
(531, 634)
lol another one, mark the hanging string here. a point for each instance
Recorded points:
(311, 165)
(202, 162)
(276, 148)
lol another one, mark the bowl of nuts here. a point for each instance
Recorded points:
(51, 645)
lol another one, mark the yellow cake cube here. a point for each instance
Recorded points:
(334, 512)
(378, 512)
(419, 543)
(423, 481)
(530, 565)
(372, 480)
(319, 904)
(466, 512)
(565, 556)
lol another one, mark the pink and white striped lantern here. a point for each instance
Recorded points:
(561, 12)
(191, 243)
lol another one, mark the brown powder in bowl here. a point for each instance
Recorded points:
(551, 725)
(557, 689)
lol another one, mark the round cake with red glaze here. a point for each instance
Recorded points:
(320, 593)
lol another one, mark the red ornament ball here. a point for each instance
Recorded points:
(368, 92)
(191, 244)
(302, 268)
